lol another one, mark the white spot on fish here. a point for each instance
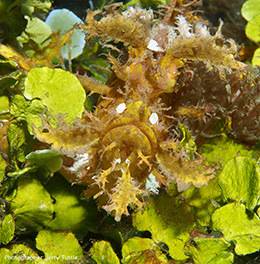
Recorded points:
(121, 108)
(154, 119)
(118, 160)
(152, 184)
(154, 46)
(80, 162)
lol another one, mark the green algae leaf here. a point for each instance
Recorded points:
(3, 165)
(20, 141)
(24, 254)
(59, 247)
(50, 158)
(7, 227)
(7, 66)
(10, 75)
(253, 29)
(28, 111)
(240, 181)
(7, 257)
(210, 251)
(20, 172)
(4, 105)
(71, 213)
(147, 256)
(239, 226)
(30, 6)
(204, 199)
(11, 80)
(19, 253)
(250, 9)
(103, 253)
(142, 250)
(36, 31)
(12, 14)
(138, 244)
(32, 206)
(219, 150)
(60, 91)
(256, 58)
(169, 221)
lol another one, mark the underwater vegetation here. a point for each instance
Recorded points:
(152, 117)
(250, 12)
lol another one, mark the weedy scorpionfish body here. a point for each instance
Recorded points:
(177, 78)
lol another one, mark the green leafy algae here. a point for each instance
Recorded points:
(20, 141)
(32, 206)
(239, 226)
(55, 206)
(210, 251)
(250, 9)
(10, 76)
(251, 12)
(47, 157)
(4, 105)
(2, 168)
(256, 57)
(59, 247)
(6, 256)
(204, 200)
(24, 254)
(219, 150)
(28, 111)
(71, 213)
(138, 250)
(103, 253)
(36, 31)
(7, 227)
(54, 88)
(243, 174)
(169, 221)
(252, 29)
